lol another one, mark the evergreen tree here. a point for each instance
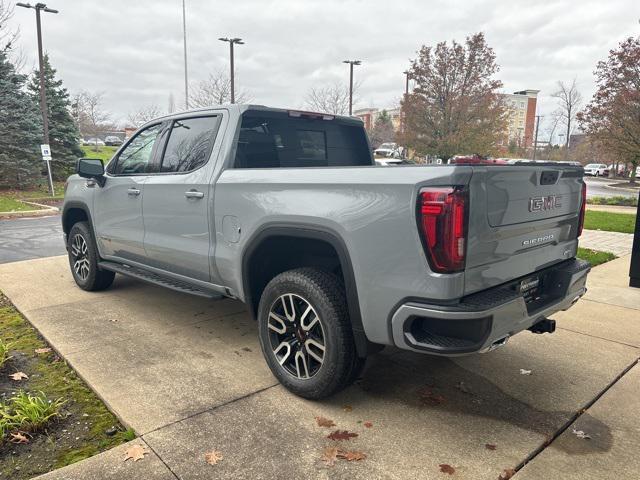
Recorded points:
(382, 130)
(20, 129)
(63, 132)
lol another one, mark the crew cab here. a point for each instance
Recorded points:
(334, 256)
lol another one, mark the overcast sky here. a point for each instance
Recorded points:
(132, 50)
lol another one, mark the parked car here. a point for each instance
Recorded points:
(387, 150)
(333, 262)
(112, 141)
(596, 170)
(93, 141)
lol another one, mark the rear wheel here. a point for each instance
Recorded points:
(83, 259)
(305, 333)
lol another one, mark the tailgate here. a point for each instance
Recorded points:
(523, 218)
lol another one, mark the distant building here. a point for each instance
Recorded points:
(521, 122)
(369, 116)
(575, 140)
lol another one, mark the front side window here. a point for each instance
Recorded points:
(189, 145)
(136, 156)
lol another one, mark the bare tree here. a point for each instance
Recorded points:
(143, 114)
(89, 114)
(215, 90)
(333, 99)
(569, 100)
(7, 36)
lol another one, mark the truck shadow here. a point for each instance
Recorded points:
(436, 383)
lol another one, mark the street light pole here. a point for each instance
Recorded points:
(406, 96)
(43, 95)
(184, 37)
(351, 64)
(231, 42)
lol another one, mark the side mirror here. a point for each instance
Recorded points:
(91, 168)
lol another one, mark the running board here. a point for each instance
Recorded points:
(156, 279)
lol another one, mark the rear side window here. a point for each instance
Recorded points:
(189, 144)
(276, 140)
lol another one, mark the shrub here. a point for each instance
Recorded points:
(617, 200)
(31, 412)
(4, 352)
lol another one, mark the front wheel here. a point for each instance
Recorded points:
(305, 333)
(83, 259)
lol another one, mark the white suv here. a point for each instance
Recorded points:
(596, 170)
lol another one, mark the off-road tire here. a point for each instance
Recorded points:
(95, 279)
(325, 293)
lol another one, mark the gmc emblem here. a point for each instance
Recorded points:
(538, 204)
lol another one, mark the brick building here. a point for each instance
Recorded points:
(521, 117)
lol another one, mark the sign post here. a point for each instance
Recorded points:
(634, 271)
(45, 149)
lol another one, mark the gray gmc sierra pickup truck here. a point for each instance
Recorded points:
(286, 211)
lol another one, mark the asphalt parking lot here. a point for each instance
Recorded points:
(188, 375)
(24, 238)
(598, 187)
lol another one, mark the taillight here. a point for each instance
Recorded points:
(442, 217)
(583, 208)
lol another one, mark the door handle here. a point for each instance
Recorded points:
(133, 192)
(193, 194)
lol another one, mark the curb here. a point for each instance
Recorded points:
(46, 210)
(624, 189)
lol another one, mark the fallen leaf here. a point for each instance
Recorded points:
(351, 456)
(18, 437)
(213, 457)
(525, 372)
(19, 376)
(324, 422)
(490, 446)
(506, 474)
(340, 435)
(445, 468)
(347, 408)
(135, 452)
(329, 455)
(42, 350)
(428, 397)
(581, 434)
(368, 424)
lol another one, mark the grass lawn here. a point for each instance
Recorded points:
(9, 204)
(82, 426)
(610, 222)
(103, 153)
(595, 257)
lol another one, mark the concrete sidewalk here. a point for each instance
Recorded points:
(187, 374)
(618, 243)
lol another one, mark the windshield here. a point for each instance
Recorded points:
(592, 165)
(387, 146)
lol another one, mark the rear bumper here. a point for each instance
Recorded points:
(485, 320)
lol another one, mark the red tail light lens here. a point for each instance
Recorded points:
(442, 218)
(583, 208)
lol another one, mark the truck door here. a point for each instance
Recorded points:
(117, 205)
(178, 199)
